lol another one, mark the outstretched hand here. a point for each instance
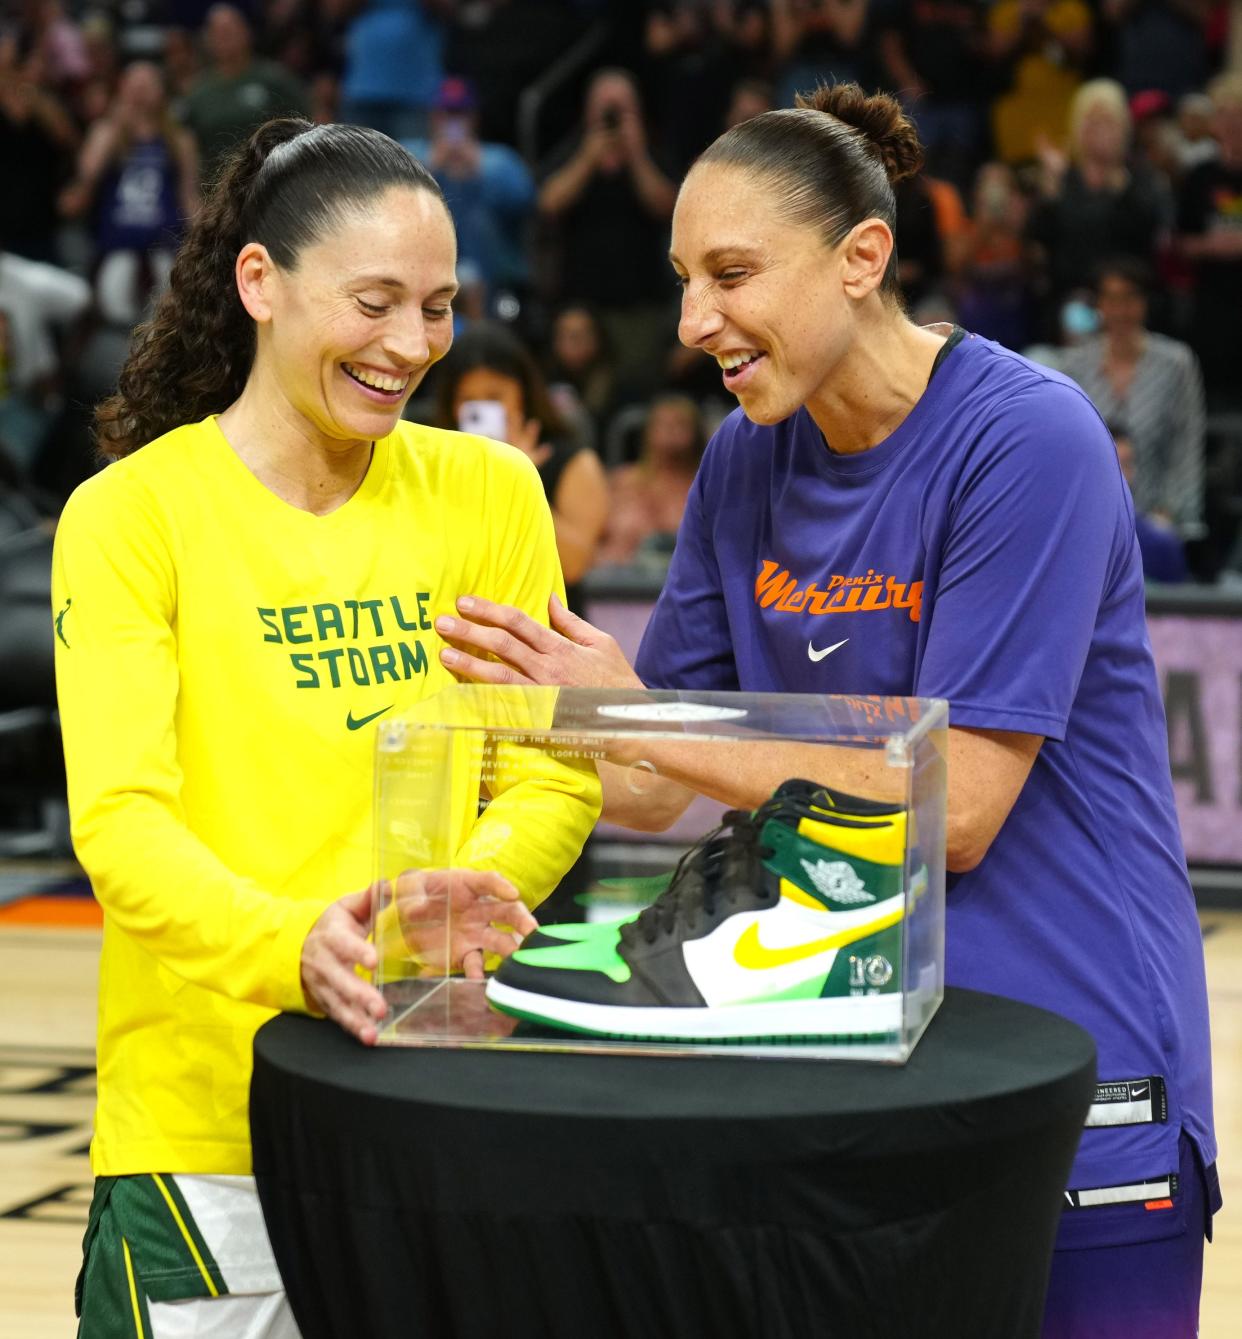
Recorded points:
(451, 919)
(570, 654)
(334, 948)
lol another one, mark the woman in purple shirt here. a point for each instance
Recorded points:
(975, 501)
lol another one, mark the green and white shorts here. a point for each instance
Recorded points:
(170, 1256)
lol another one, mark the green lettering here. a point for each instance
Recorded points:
(301, 661)
(400, 617)
(332, 656)
(412, 661)
(268, 617)
(328, 619)
(293, 624)
(353, 604)
(358, 666)
(374, 607)
(384, 662)
(423, 621)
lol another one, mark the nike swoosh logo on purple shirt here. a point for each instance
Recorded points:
(827, 651)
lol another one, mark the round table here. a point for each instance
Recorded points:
(437, 1193)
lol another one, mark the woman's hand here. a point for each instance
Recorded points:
(451, 919)
(331, 953)
(570, 654)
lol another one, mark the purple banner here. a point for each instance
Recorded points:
(1199, 662)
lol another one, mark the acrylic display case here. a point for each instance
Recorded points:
(485, 792)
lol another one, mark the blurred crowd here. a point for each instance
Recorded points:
(1081, 203)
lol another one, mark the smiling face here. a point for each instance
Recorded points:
(349, 333)
(765, 297)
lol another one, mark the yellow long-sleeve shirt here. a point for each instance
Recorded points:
(220, 657)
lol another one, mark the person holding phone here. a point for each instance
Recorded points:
(490, 384)
(610, 200)
(488, 188)
(238, 599)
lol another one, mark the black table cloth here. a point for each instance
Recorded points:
(446, 1193)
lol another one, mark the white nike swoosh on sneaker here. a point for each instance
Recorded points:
(827, 651)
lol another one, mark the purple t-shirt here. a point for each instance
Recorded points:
(984, 553)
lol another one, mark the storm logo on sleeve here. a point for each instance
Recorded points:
(781, 592)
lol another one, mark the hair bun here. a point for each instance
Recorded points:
(877, 116)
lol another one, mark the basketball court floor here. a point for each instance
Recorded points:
(48, 972)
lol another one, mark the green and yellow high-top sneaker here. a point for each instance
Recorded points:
(783, 923)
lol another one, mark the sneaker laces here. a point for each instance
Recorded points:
(699, 875)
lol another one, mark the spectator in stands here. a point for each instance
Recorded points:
(1042, 45)
(57, 39)
(581, 368)
(22, 427)
(394, 66)
(1196, 143)
(1164, 556)
(180, 66)
(37, 142)
(988, 264)
(138, 175)
(488, 188)
(1094, 204)
(1075, 321)
(1209, 224)
(821, 42)
(935, 57)
(1153, 385)
(238, 92)
(647, 499)
(695, 54)
(749, 97)
(612, 203)
(95, 93)
(38, 305)
(1160, 43)
(306, 36)
(919, 244)
(505, 46)
(490, 384)
(1157, 141)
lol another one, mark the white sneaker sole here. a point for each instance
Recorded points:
(853, 1016)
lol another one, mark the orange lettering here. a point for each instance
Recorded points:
(910, 597)
(770, 588)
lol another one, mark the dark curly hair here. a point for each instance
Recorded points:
(290, 183)
(835, 158)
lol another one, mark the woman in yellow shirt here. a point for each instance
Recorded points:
(249, 585)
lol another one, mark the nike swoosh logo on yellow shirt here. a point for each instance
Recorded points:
(351, 724)
(750, 953)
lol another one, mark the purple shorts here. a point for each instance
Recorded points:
(1142, 1290)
